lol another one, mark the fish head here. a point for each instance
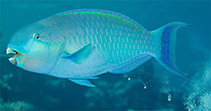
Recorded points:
(35, 48)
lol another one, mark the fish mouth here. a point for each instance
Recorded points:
(13, 59)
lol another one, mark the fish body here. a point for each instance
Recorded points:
(82, 44)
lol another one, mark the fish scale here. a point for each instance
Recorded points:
(103, 31)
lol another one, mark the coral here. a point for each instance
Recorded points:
(4, 80)
(199, 91)
(16, 106)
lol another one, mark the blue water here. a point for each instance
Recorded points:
(149, 87)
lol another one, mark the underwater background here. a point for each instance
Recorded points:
(149, 87)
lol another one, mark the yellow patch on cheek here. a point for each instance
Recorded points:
(21, 61)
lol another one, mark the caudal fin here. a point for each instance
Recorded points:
(165, 38)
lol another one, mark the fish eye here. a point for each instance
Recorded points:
(36, 36)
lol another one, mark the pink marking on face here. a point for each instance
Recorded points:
(120, 32)
(110, 39)
(143, 32)
(114, 39)
(146, 37)
(102, 24)
(106, 32)
(131, 40)
(144, 41)
(117, 26)
(142, 36)
(133, 35)
(128, 34)
(101, 40)
(139, 41)
(134, 46)
(111, 31)
(121, 27)
(136, 41)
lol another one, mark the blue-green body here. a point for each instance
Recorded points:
(82, 44)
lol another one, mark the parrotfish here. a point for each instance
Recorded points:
(82, 44)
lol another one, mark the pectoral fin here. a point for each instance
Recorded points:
(83, 82)
(80, 55)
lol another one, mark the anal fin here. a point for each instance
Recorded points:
(131, 65)
(83, 82)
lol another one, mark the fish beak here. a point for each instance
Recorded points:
(13, 58)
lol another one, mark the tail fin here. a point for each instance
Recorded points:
(165, 38)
